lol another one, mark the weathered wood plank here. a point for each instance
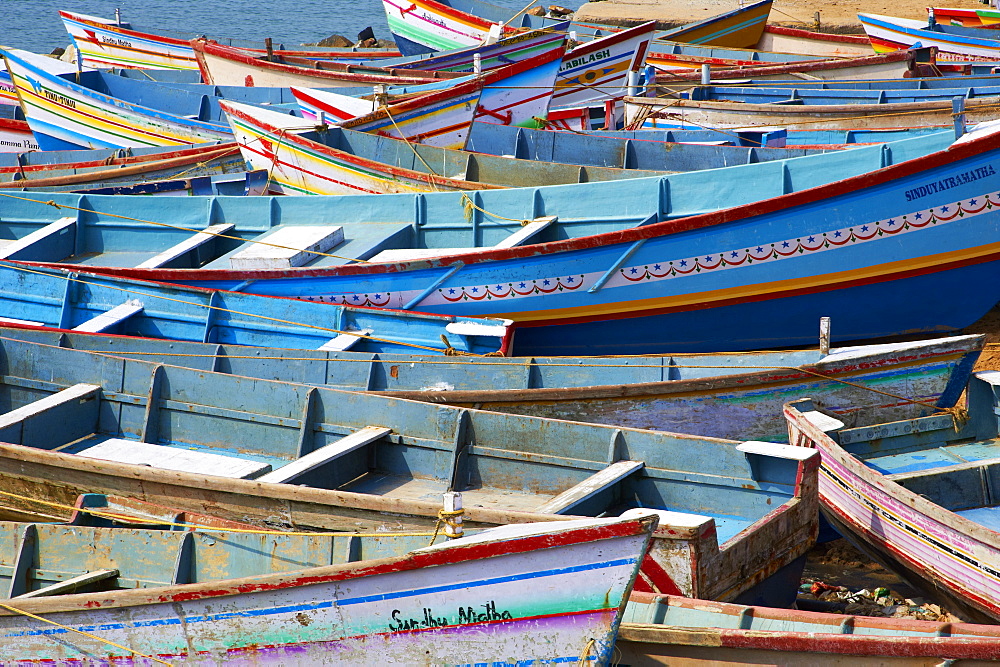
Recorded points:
(521, 236)
(105, 321)
(172, 458)
(590, 487)
(71, 585)
(300, 243)
(187, 245)
(76, 392)
(325, 454)
(345, 341)
(38, 238)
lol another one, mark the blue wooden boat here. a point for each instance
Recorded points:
(772, 137)
(89, 303)
(917, 495)
(721, 107)
(957, 43)
(183, 596)
(302, 159)
(203, 170)
(97, 109)
(719, 395)
(660, 264)
(627, 150)
(737, 517)
(669, 629)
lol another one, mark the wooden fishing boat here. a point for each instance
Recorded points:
(425, 26)
(593, 71)
(333, 161)
(831, 109)
(650, 285)
(241, 184)
(673, 72)
(717, 395)
(88, 303)
(771, 136)
(518, 94)
(625, 150)
(960, 16)
(916, 494)
(229, 66)
(783, 39)
(180, 596)
(15, 135)
(737, 517)
(114, 171)
(63, 114)
(111, 43)
(104, 110)
(225, 65)
(664, 629)
(954, 43)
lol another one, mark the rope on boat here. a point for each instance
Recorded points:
(15, 610)
(231, 311)
(448, 518)
(402, 135)
(198, 165)
(178, 227)
(202, 528)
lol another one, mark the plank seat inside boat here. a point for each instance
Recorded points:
(502, 461)
(174, 458)
(359, 241)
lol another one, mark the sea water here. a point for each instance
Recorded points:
(34, 25)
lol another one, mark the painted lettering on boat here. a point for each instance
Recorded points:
(483, 613)
(584, 60)
(489, 613)
(428, 621)
(59, 99)
(950, 182)
(115, 41)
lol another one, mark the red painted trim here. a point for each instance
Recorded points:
(291, 139)
(959, 640)
(865, 181)
(817, 36)
(124, 31)
(189, 153)
(757, 69)
(332, 71)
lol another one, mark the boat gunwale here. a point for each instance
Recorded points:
(868, 180)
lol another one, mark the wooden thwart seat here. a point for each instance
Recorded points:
(345, 341)
(51, 415)
(300, 243)
(599, 481)
(325, 454)
(51, 243)
(70, 585)
(187, 245)
(518, 238)
(173, 458)
(116, 315)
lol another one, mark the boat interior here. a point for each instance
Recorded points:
(957, 468)
(354, 228)
(181, 419)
